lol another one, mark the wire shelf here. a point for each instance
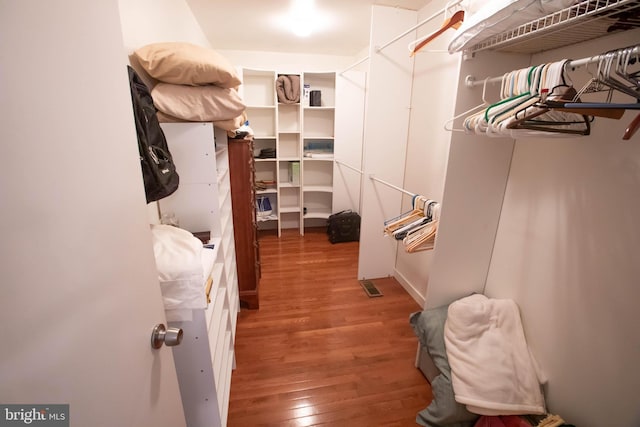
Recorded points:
(581, 22)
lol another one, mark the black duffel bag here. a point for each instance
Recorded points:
(344, 227)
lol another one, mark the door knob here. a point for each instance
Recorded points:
(162, 335)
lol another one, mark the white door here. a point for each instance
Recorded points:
(78, 290)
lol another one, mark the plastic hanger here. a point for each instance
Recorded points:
(606, 69)
(497, 124)
(469, 111)
(513, 91)
(538, 117)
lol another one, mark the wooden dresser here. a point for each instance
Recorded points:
(243, 199)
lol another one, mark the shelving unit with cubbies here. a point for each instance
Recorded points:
(259, 95)
(318, 140)
(205, 359)
(303, 135)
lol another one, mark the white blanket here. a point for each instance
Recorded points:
(492, 370)
(180, 272)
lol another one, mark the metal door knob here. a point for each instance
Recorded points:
(162, 335)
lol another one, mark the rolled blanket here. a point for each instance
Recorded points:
(288, 88)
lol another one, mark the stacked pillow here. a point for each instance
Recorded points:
(195, 84)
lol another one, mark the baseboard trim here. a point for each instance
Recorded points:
(411, 290)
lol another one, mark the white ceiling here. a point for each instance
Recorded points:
(249, 25)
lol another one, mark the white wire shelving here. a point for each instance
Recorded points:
(580, 22)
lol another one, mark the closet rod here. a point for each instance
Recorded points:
(402, 190)
(349, 166)
(470, 81)
(354, 65)
(420, 24)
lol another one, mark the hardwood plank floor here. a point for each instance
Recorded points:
(319, 351)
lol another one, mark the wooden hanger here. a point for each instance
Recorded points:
(419, 205)
(589, 109)
(422, 239)
(452, 22)
(633, 127)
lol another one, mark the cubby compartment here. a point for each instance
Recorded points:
(318, 122)
(267, 209)
(318, 148)
(289, 199)
(318, 175)
(264, 148)
(326, 84)
(258, 88)
(289, 174)
(290, 219)
(288, 118)
(266, 171)
(317, 204)
(263, 121)
(289, 146)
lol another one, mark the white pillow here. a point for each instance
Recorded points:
(178, 256)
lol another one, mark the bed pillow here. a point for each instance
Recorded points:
(197, 103)
(178, 255)
(230, 125)
(428, 325)
(187, 64)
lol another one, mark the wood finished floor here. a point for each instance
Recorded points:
(319, 351)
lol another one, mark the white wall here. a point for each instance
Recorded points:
(567, 251)
(349, 125)
(552, 224)
(68, 140)
(385, 136)
(152, 21)
(432, 103)
(286, 62)
(477, 171)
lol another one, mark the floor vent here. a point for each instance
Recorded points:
(370, 289)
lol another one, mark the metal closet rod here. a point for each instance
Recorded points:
(470, 81)
(379, 48)
(435, 15)
(402, 190)
(354, 65)
(349, 166)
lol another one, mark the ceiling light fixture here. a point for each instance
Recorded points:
(303, 19)
(301, 15)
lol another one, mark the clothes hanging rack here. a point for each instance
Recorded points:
(402, 190)
(349, 166)
(421, 23)
(454, 21)
(470, 81)
(354, 65)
